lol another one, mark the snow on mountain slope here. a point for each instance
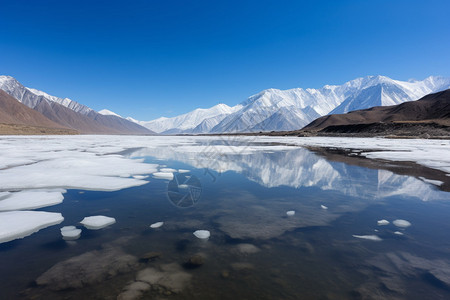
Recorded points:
(32, 97)
(188, 121)
(383, 91)
(107, 112)
(68, 113)
(73, 105)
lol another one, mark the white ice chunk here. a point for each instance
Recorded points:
(382, 222)
(140, 176)
(183, 171)
(167, 170)
(157, 225)
(70, 233)
(19, 224)
(67, 228)
(401, 223)
(97, 222)
(368, 237)
(30, 200)
(202, 234)
(398, 233)
(323, 207)
(163, 175)
(290, 212)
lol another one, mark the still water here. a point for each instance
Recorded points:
(256, 250)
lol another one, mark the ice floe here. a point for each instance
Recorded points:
(323, 207)
(183, 171)
(202, 234)
(97, 222)
(382, 222)
(30, 200)
(163, 175)
(371, 237)
(19, 224)
(398, 233)
(401, 223)
(70, 233)
(167, 170)
(157, 225)
(290, 213)
(140, 176)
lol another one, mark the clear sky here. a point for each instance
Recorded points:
(152, 58)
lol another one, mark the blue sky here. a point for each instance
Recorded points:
(148, 59)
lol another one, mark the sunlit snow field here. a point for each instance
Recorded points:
(121, 217)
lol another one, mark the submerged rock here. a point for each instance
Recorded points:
(195, 261)
(247, 248)
(86, 269)
(151, 255)
(170, 277)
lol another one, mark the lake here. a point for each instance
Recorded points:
(285, 221)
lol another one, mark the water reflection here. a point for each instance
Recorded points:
(299, 167)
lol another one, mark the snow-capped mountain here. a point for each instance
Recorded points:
(383, 91)
(199, 120)
(274, 109)
(107, 112)
(68, 113)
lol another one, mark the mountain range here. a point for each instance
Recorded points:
(282, 110)
(64, 113)
(269, 110)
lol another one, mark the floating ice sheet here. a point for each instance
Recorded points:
(19, 224)
(97, 222)
(382, 222)
(323, 207)
(202, 234)
(401, 223)
(70, 233)
(163, 175)
(157, 225)
(290, 213)
(30, 200)
(368, 237)
(167, 170)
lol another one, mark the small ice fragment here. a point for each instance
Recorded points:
(323, 207)
(202, 234)
(382, 222)
(290, 213)
(67, 228)
(183, 171)
(398, 233)
(70, 233)
(401, 223)
(368, 237)
(183, 186)
(167, 170)
(140, 177)
(376, 230)
(97, 222)
(157, 225)
(163, 175)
